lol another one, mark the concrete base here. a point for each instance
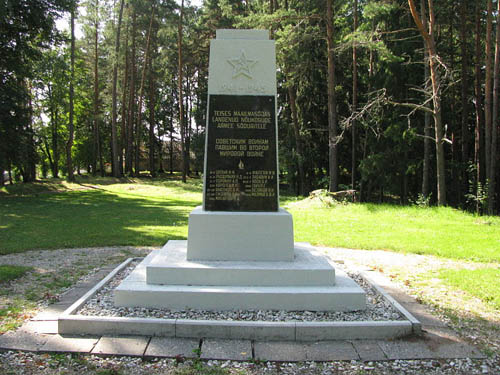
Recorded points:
(226, 236)
(345, 295)
(71, 324)
(171, 267)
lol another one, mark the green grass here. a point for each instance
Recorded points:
(12, 315)
(38, 187)
(106, 211)
(138, 212)
(8, 272)
(148, 212)
(441, 231)
(483, 283)
(199, 368)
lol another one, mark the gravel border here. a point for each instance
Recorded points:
(42, 364)
(17, 362)
(378, 308)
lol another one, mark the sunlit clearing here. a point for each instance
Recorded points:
(177, 229)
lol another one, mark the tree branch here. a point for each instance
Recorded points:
(414, 106)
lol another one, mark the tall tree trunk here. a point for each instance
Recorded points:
(55, 143)
(71, 128)
(298, 139)
(141, 95)
(181, 104)
(303, 188)
(332, 103)
(465, 110)
(160, 147)
(427, 138)
(354, 97)
(32, 156)
(187, 123)
(114, 135)
(454, 189)
(371, 69)
(123, 138)
(131, 98)
(97, 132)
(494, 130)
(171, 151)
(436, 95)
(488, 88)
(52, 122)
(427, 115)
(152, 103)
(271, 11)
(49, 156)
(478, 102)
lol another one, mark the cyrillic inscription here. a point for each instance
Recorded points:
(241, 173)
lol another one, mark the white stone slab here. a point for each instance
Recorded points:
(111, 325)
(129, 346)
(314, 331)
(345, 295)
(235, 329)
(253, 236)
(252, 34)
(220, 349)
(181, 297)
(70, 324)
(172, 347)
(242, 66)
(171, 267)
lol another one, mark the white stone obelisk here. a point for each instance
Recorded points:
(241, 92)
(240, 252)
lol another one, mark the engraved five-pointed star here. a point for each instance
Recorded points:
(242, 66)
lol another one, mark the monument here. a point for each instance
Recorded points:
(240, 218)
(240, 252)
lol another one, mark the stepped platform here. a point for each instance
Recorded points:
(167, 279)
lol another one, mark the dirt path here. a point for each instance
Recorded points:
(417, 276)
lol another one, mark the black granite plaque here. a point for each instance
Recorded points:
(241, 167)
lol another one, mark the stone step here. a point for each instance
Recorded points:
(180, 297)
(170, 267)
(345, 295)
(243, 291)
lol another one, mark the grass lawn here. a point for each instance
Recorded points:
(11, 313)
(96, 213)
(107, 212)
(482, 283)
(441, 231)
(8, 272)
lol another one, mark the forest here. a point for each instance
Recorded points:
(395, 99)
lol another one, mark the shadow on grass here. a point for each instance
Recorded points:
(90, 218)
(57, 185)
(372, 207)
(38, 187)
(82, 180)
(194, 185)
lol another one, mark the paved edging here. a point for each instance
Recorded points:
(69, 323)
(416, 325)
(436, 342)
(82, 300)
